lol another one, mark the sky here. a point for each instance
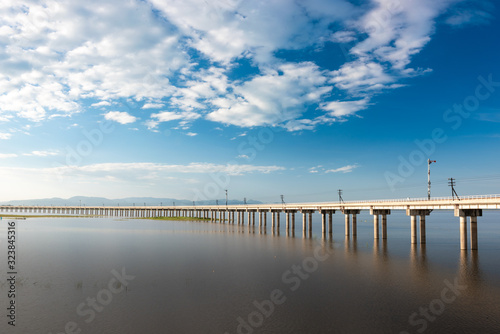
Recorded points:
(187, 99)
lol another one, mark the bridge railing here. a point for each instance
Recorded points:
(423, 199)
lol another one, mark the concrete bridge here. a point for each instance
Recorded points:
(466, 208)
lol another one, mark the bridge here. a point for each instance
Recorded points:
(466, 208)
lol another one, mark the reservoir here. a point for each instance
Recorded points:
(127, 276)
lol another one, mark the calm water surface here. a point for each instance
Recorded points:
(192, 277)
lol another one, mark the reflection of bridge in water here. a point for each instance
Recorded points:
(467, 208)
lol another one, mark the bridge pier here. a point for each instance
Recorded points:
(473, 214)
(262, 217)
(251, 216)
(324, 213)
(307, 213)
(376, 213)
(354, 213)
(277, 212)
(421, 213)
(290, 219)
(242, 214)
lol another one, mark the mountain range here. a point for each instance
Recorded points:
(129, 201)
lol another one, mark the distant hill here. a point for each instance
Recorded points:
(95, 201)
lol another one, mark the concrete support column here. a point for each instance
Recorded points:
(287, 219)
(384, 226)
(253, 218)
(473, 214)
(473, 232)
(422, 229)
(310, 222)
(347, 225)
(265, 218)
(375, 227)
(414, 213)
(293, 220)
(260, 218)
(273, 219)
(249, 214)
(463, 232)
(323, 223)
(278, 220)
(354, 224)
(304, 221)
(330, 225)
(413, 229)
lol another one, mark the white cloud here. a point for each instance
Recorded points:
(314, 170)
(121, 117)
(101, 104)
(58, 57)
(240, 135)
(191, 134)
(344, 169)
(361, 77)
(397, 30)
(4, 135)
(343, 36)
(153, 106)
(185, 117)
(61, 52)
(227, 29)
(118, 169)
(7, 155)
(42, 153)
(274, 98)
(340, 109)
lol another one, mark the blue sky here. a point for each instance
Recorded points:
(185, 99)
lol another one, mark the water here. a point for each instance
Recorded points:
(192, 277)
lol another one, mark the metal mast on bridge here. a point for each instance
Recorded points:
(429, 161)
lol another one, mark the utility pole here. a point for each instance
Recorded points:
(282, 200)
(226, 197)
(341, 200)
(194, 204)
(451, 183)
(216, 202)
(245, 200)
(429, 161)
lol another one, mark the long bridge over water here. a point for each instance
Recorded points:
(466, 208)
